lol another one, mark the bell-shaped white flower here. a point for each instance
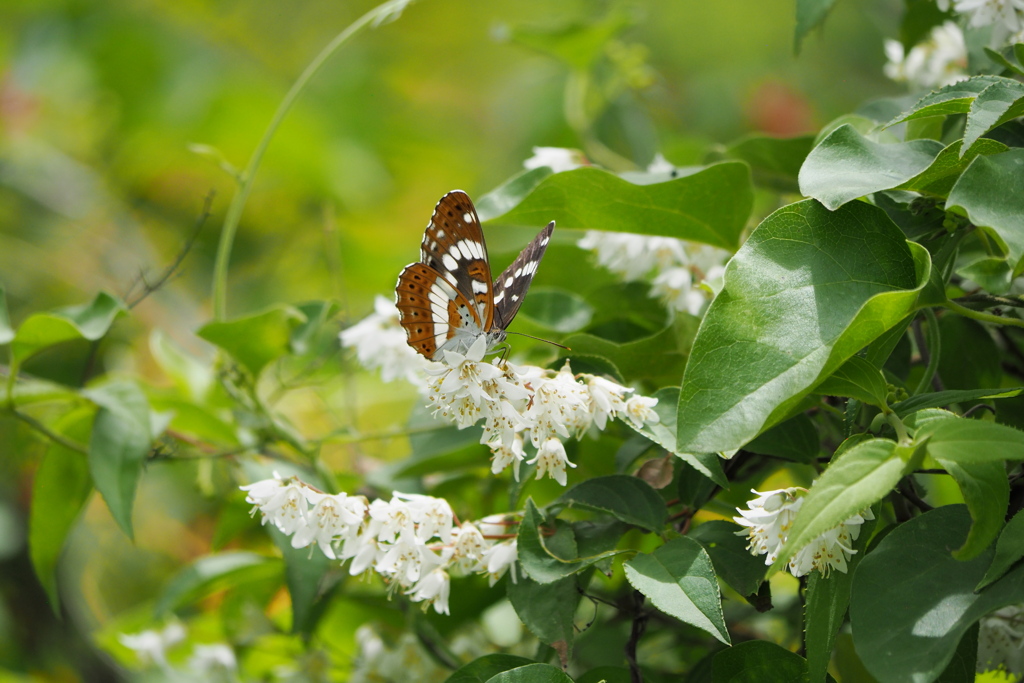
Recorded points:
(640, 410)
(551, 459)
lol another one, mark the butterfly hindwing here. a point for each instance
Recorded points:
(431, 309)
(453, 245)
(510, 287)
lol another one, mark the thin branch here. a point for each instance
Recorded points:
(50, 434)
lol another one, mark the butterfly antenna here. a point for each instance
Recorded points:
(546, 341)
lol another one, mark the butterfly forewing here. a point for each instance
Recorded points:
(431, 309)
(453, 245)
(510, 287)
(447, 301)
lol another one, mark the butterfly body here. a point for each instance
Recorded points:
(447, 300)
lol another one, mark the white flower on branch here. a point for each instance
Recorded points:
(558, 159)
(520, 402)
(769, 518)
(938, 60)
(1001, 640)
(676, 267)
(410, 540)
(151, 646)
(380, 343)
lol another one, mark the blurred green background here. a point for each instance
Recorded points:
(101, 103)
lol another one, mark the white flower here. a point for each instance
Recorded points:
(282, 502)
(675, 287)
(211, 660)
(632, 256)
(1001, 640)
(381, 343)
(403, 559)
(640, 411)
(329, 521)
(461, 390)
(551, 460)
(606, 399)
(660, 165)
(561, 407)
(151, 646)
(558, 159)
(433, 517)
(495, 526)
(434, 588)
(768, 520)
(1006, 15)
(502, 456)
(940, 59)
(499, 558)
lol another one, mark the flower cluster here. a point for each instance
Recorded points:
(768, 520)
(209, 662)
(683, 274)
(558, 159)
(940, 59)
(411, 541)
(380, 343)
(520, 405)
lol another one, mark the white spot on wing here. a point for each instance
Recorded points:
(519, 271)
(449, 262)
(498, 299)
(468, 217)
(439, 234)
(479, 287)
(515, 297)
(455, 253)
(509, 281)
(446, 288)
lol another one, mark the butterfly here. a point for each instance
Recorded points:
(447, 301)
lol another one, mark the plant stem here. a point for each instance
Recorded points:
(932, 350)
(983, 317)
(50, 434)
(375, 16)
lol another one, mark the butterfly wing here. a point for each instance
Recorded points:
(453, 245)
(431, 309)
(511, 285)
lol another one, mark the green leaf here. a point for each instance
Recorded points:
(758, 661)
(484, 668)
(856, 378)
(626, 498)
(211, 573)
(663, 433)
(546, 609)
(532, 673)
(662, 354)
(995, 105)
(1009, 551)
(807, 290)
(854, 481)
(593, 199)
(679, 580)
(87, 321)
(951, 99)
(258, 339)
(991, 194)
(728, 552)
(795, 439)
(540, 563)
(968, 356)
(557, 309)
(826, 601)
(809, 14)
(317, 314)
(938, 179)
(60, 489)
(919, 18)
(774, 162)
(6, 331)
(606, 674)
(846, 165)
(190, 375)
(506, 197)
(970, 441)
(913, 568)
(941, 399)
(118, 446)
(578, 44)
(986, 491)
(1003, 61)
